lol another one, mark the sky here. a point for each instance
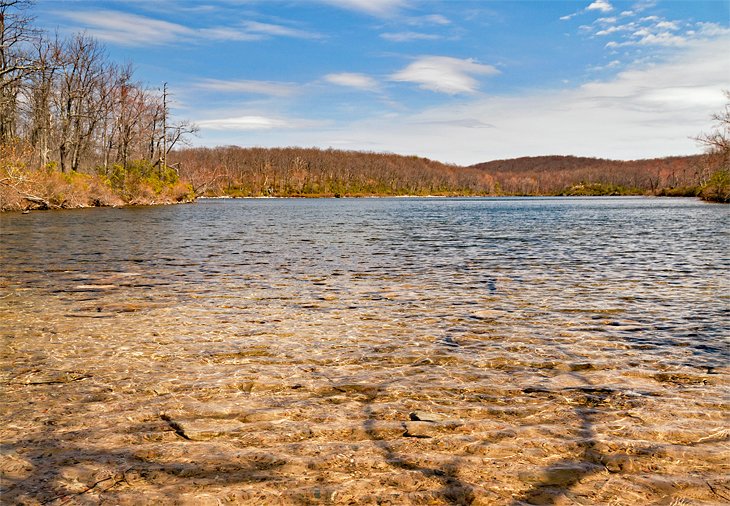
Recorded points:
(459, 81)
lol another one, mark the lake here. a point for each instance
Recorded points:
(369, 351)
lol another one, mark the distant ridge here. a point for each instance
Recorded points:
(584, 175)
(569, 162)
(312, 172)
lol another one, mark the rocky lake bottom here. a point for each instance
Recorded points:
(403, 352)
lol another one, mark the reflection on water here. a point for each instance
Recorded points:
(369, 351)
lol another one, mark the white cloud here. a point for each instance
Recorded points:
(646, 38)
(709, 30)
(267, 29)
(431, 19)
(226, 33)
(242, 123)
(378, 8)
(668, 25)
(352, 80)
(600, 5)
(127, 29)
(271, 88)
(444, 74)
(408, 36)
(651, 30)
(613, 29)
(135, 30)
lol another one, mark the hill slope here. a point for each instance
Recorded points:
(580, 175)
(239, 171)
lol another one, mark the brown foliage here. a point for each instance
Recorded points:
(314, 172)
(557, 174)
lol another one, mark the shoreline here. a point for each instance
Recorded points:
(349, 197)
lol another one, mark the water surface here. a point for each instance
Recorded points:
(368, 350)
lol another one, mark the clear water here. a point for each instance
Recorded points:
(544, 334)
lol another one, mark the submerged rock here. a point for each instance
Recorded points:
(420, 429)
(203, 429)
(422, 416)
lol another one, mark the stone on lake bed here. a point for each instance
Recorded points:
(423, 416)
(204, 429)
(421, 429)
(490, 314)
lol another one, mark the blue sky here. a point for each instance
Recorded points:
(454, 80)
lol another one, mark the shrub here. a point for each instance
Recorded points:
(717, 188)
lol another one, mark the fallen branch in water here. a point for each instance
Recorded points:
(43, 203)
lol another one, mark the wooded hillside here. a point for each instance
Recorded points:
(239, 171)
(577, 175)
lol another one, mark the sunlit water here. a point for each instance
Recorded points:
(435, 351)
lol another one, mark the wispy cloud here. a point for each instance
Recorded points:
(226, 33)
(461, 123)
(377, 8)
(430, 19)
(134, 30)
(444, 74)
(599, 5)
(352, 80)
(408, 36)
(271, 88)
(268, 29)
(127, 29)
(653, 31)
(253, 122)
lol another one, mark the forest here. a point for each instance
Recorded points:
(287, 172)
(78, 130)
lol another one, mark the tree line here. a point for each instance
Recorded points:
(312, 172)
(287, 172)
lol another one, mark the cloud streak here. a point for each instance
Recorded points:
(377, 8)
(444, 74)
(408, 36)
(255, 122)
(270, 88)
(599, 5)
(129, 29)
(352, 80)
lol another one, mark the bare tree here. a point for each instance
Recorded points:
(716, 180)
(38, 98)
(718, 141)
(15, 60)
(83, 67)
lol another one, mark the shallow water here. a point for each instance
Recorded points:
(434, 351)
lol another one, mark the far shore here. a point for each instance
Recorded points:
(324, 197)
